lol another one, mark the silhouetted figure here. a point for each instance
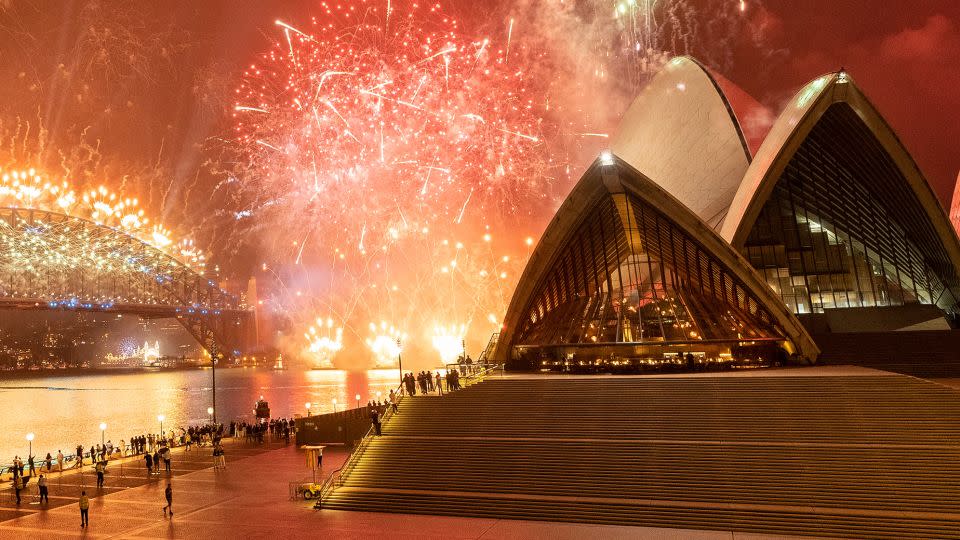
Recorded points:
(375, 420)
(84, 509)
(42, 485)
(18, 486)
(168, 494)
(101, 468)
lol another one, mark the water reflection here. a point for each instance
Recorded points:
(64, 411)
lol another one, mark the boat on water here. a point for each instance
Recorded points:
(261, 410)
(278, 366)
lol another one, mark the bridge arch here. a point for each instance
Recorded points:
(54, 261)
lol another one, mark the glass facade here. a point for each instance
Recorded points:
(842, 229)
(629, 275)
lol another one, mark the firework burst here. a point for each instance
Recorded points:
(375, 135)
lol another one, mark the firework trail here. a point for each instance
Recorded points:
(381, 148)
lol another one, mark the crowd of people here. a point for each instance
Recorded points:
(278, 428)
(156, 453)
(427, 383)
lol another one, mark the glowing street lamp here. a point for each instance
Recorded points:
(30, 440)
(308, 405)
(400, 360)
(210, 413)
(358, 400)
(103, 433)
(161, 418)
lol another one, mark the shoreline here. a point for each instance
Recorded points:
(73, 372)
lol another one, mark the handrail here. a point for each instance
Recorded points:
(473, 373)
(126, 452)
(334, 479)
(491, 344)
(479, 376)
(337, 476)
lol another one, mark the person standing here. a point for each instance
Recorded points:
(84, 509)
(100, 470)
(17, 486)
(439, 384)
(165, 452)
(148, 458)
(44, 494)
(60, 460)
(33, 470)
(168, 494)
(375, 420)
(393, 401)
(48, 461)
(79, 462)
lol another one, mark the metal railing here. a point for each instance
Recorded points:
(335, 479)
(477, 373)
(71, 459)
(484, 371)
(473, 373)
(488, 350)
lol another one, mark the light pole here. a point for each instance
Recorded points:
(161, 418)
(210, 412)
(358, 400)
(103, 433)
(30, 440)
(213, 375)
(334, 404)
(400, 360)
(308, 405)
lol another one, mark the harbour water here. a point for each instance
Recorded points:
(63, 411)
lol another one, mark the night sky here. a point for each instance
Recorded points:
(904, 55)
(151, 83)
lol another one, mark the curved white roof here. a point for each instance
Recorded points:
(681, 133)
(773, 155)
(789, 132)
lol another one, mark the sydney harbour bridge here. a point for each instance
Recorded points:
(55, 261)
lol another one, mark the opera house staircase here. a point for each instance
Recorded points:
(827, 451)
(920, 353)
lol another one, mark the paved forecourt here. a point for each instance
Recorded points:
(250, 499)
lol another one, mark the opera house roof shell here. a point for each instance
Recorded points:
(821, 209)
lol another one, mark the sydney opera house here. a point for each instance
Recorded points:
(713, 233)
(711, 236)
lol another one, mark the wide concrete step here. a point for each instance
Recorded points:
(864, 456)
(768, 519)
